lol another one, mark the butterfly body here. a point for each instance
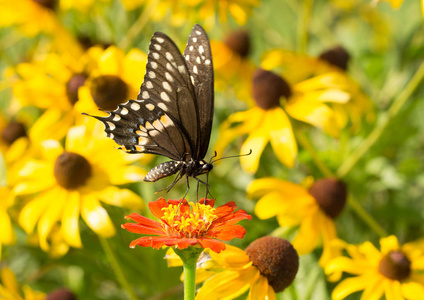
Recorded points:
(173, 113)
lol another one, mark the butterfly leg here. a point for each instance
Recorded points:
(206, 185)
(169, 187)
(188, 187)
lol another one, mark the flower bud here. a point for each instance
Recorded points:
(330, 195)
(268, 87)
(276, 259)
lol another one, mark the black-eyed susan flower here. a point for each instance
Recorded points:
(267, 266)
(11, 290)
(297, 67)
(7, 234)
(313, 210)
(183, 224)
(268, 121)
(70, 182)
(394, 271)
(233, 68)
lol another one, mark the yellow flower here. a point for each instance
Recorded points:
(395, 271)
(7, 235)
(10, 290)
(313, 210)
(115, 78)
(73, 181)
(201, 10)
(296, 68)
(268, 266)
(233, 68)
(268, 121)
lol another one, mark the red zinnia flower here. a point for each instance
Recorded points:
(188, 224)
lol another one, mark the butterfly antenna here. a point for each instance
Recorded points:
(246, 154)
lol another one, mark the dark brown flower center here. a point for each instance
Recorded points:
(330, 195)
(395, 266)
(268, 87)
(275, 259)
(72, 86)
(238, 42)
(337, 56)
(71, 170)
(13, 131)
(108, 91)
(61, 294)
(46, 3)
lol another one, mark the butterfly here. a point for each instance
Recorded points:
(173, 113)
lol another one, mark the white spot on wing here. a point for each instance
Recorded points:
(145, 95)
(169, 56)
(181, 69)
(135, 106)
(195, 40)
(169, 77)
(191, 48)
(163, 106)
(192, 79)
(187, 57)
(165, 96)
(150, 106)
(111, 125)
(207, 62)
(116, 118)
(198, 60)
(155, 55)
(198, 32)
(152, 74)
(149, 84)
(157, 47)
(166, 86)
(195, 70)
(201, 49)
(124, 111)
(169, 67)
(154, 65)
(160, 40)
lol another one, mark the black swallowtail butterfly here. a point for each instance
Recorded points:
(173, 113)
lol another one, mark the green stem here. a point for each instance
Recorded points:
(301, 138)
(136, 28)
(357, 208)
(189, 256)
(406, 93)
(366, 217)
(304, 28)
(117, 268)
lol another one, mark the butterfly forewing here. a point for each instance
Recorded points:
(198, 58)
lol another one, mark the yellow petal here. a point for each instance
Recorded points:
(9, 281)
(50, 150)
(75, 139)
(309, 235)
(393, 290)
(259, 289)
(389, 244)
(282, 137)
(348, 265)
(270, 205)
(30, 294)
(349, 286)
(125, 174)
(375, 288)
(96, 216)
(328, 231)
(256, 143)
(228, 284)
(287, 189)
(110, 61)
(32, 211)
(70, 220)
(53, 124)
(7, 234)
(50, 217)
(121, 198)
(412, 290)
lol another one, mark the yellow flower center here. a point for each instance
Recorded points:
(72, 86)
(193, 223)
(239, 42)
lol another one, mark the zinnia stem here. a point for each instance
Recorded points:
(189, 257)
(117, 269)
(406, 93)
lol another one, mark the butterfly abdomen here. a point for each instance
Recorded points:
(162, 170)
